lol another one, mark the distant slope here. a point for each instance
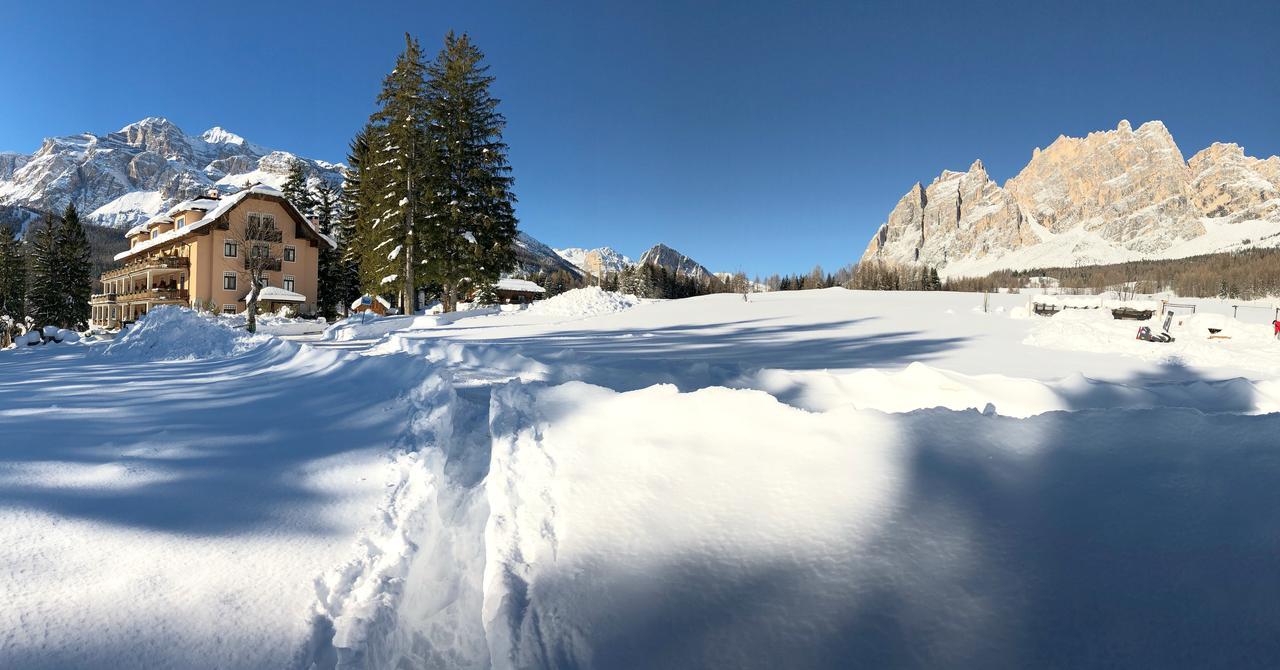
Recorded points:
(663, 256)
(533, 257)
(596, 262)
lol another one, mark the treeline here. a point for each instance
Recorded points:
(427, 210)
(1239, 275)
(46, 278)
(644, 281)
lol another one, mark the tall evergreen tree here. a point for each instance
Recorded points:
(395, 171)
(77, 278)
(44, 290)
(330, 268)
(471, 206)
(13, 277)
(295, 189)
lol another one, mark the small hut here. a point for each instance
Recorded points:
(272, 298)
(367, 303)
(518, 291)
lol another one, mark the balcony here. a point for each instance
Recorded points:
(101, 298)
(155, 295)
(263, 233)
(144, 264)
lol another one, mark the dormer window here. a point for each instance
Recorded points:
(154, 234)
(179, 222)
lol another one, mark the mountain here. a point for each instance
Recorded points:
(122, 178)
(596, 262)
(1109, 197)
(664, 256)
(533, 257)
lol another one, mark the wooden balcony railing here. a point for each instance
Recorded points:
(103, 297)
(154, 295)
(153, 263)
(270, 264)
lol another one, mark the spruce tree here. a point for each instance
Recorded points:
(471, 206)
(13, 283)
(44, 290)
(395, 172)
(295, 189)
(330, 268)
(74, 259)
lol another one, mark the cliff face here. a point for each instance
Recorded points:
(958, 211)
(663, 256)
(1106, 197)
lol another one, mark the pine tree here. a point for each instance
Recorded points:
(329, 273)
(44, 291)
(13, 284)
(395, 173)
(363, 267)
(471, 206)
(296, 191)
(74, 260)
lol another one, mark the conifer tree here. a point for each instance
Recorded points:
(75, 267)
(471, 206)
(395, 172)
(295, 189)
(329, 274)
(13, 281)
(44, 290)
(363, 267)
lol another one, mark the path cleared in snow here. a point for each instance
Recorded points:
(804, 479)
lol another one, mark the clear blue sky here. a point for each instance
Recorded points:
(763, 136)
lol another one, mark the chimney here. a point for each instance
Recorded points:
(213, 194)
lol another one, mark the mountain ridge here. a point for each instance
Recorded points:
(1111, 196)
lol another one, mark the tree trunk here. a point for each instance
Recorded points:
(252, 310)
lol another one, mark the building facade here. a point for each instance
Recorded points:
(197, 254)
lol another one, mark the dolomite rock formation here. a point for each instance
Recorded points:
(959, 210)
(1109, 196)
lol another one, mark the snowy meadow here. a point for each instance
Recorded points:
(802, 479)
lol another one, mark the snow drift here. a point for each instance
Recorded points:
(170, 333)
(584, 302)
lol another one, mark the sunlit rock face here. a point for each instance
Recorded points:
(959, 211)
(1113, 195)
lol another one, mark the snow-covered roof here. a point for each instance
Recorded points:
(142, 227)
(223, 206)
(519, 285)
(202, 204)
(277, 294)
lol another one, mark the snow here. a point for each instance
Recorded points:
(809, 479)
(277, 294)
(584, 302)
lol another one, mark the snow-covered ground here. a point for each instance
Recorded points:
(802, 479)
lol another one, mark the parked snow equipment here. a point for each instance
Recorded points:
(1144, 333)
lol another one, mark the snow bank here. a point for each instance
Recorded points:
(169, 333)
(367, 326)
(923, 387)
(582, 302)
(722, 529)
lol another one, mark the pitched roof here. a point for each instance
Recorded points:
(223, 206)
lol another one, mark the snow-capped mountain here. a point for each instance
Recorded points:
(533, 257)
(596, 262)
(1109, 197)
(122, 178)
(664, 256)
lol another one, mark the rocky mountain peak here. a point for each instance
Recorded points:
(663, 256)
(1106, 197)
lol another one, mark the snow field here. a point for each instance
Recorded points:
(814, 479)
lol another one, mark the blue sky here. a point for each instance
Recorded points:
(762, 136)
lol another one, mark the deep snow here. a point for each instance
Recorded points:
(805, 479)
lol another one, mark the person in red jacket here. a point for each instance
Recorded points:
(1276, 323)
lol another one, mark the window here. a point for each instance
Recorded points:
(288, 282)
(260, 251)
(268, 221)
(229, 249)
(255, 219)
(228, 281)
(228, 309)
(290, 254)
(154, 233)
(179, 222)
